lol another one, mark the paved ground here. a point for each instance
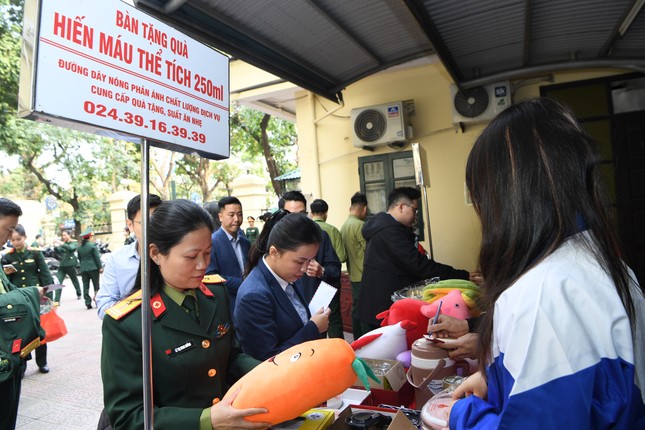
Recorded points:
(70, 396)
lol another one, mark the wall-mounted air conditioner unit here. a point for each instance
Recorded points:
(479, 104)
(380, 125)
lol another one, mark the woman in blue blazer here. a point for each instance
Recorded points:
(270, 314)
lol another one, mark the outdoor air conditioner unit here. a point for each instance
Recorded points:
(380, 125)
(479, 104)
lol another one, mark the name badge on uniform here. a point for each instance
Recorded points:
(11, 319)
(171, 352)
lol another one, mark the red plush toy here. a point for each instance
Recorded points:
(406, 309)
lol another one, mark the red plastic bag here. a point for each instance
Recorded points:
(54, 326)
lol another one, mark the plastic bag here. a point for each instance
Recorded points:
(54, 326)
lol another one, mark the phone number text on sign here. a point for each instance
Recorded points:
(139, 121)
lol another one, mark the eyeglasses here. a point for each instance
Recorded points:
(415, 209)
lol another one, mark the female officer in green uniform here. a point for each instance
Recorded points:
(195, 355)
(90, 260)
(67, 264)
(30, 271)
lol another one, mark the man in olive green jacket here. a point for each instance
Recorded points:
(355, 246)
(91, 266)
(67, 264)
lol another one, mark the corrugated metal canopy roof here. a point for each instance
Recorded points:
(324, 46)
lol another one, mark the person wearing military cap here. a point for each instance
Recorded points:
(252, 232)
(21, 331)
(91, 266)
(29, 269)
(67, 262)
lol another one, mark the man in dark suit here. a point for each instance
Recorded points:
(230, 252)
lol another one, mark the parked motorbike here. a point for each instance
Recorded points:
(104, 250)
(51, 258)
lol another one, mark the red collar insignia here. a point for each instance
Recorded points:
(157, 304)
(205, 290)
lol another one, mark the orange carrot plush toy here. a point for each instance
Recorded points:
(300, 378)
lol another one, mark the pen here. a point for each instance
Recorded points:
(436, 317)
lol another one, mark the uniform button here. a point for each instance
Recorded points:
(216, 400)
(205, 344)
(23, 278)
(9, 306)
(212, 372)
(22, 271)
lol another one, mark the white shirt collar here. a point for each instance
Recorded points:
(281, 281)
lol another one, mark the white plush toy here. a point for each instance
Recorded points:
(384, 343)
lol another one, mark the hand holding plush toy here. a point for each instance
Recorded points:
(299, 379)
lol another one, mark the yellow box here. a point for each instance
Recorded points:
(313, 419)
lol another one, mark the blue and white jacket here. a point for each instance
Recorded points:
(564, 352)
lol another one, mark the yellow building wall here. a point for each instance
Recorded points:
(329, 162)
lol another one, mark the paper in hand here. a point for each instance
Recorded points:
(52, 287)
(322, 297)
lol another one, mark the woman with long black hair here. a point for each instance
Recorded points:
(561, 344)
(271, 314)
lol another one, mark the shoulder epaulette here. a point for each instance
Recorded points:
(34, 249)
(213, 279)
(125, 306)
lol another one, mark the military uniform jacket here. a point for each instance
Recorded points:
(31, 268)
(67, 253)
(20, 330)
(88, 255)
(191, 364)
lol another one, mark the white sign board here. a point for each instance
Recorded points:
(107, 64)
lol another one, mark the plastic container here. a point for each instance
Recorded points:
(435, 413)
(413, 291)
(429, 366)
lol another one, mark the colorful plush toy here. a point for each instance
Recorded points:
(384, 343)
(469, 293)
(406, 309)
(453, 304)
(299, 379)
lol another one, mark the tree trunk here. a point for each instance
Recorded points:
(271, 164)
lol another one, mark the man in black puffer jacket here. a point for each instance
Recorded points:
(392, 259)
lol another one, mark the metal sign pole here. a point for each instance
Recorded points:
(428, 229)
(146, 314)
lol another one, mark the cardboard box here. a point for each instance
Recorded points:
(394, 388)
(399, 420)
(354, 396)
(390, 372)
(313, 419)
(403, 397)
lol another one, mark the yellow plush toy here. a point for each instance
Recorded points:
(299, 379)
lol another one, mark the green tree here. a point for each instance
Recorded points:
(72, 166)
(206, 175)
(255, 133)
